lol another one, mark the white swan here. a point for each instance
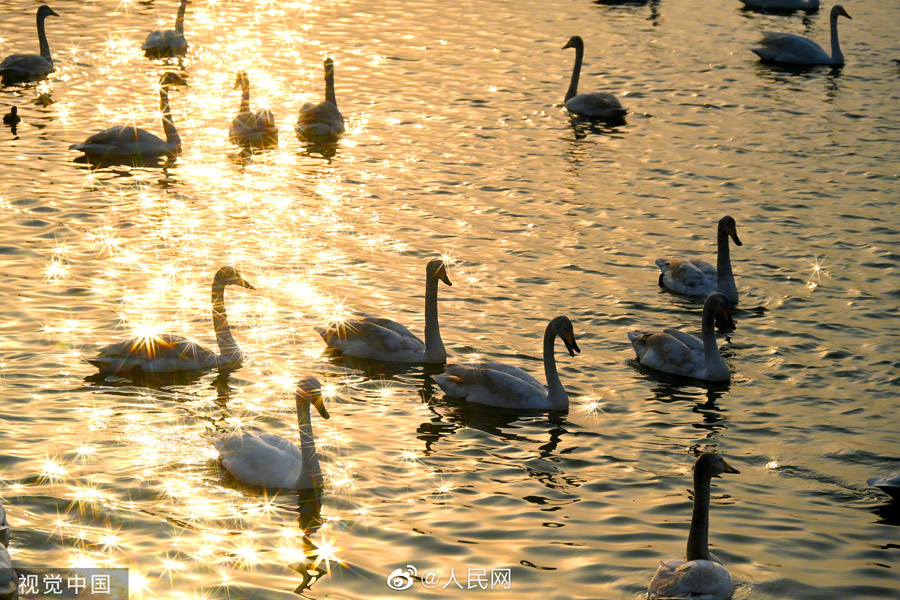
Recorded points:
(375, 338)
(9, 581)
(701, 576)
(505, 386)
(4, 527)
(126, 141)
(172, 353)
(168, 42)
(17, 68)
(695, 277)
(673, 351)
(783, 4)
(248, 128)
(890, 485)
(273, 462)
(793, 49)
(323, 122)
(600, 104)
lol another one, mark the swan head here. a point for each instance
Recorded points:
(45, 11)
(170, 78)
(562, 327)
(574, 42)
(329, 68)
(838, 11)
(230, 276)
(729, 227)
(309, 391)
(437, 269)
(711, 465)
(241, 81)
(720, 306)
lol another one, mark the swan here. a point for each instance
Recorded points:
(17, 68)
(172, 353)
(323, 122)
(12, 118)
(505, 386)
(9, 581)
(701, 576)
(251, 128)
(698, 278)
(4, 527)
(125, 141)
(598, 104)
(793, 49)
(165, 43)
(273, 462)
(890, 485)
(374, 338)
(673, 351)
(783, 4)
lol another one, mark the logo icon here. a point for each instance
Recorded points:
(402, 580)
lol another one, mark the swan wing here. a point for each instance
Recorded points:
(9, 582)
(25, 67)
(168, 42)
(492, 386)
(122, 140)
(599, 104)
(688, 277)
(319, 121)
(259, 460)
(374, 339)
(163, 354)
(257, 128)
(889, 485)
(694, 580)
(664, 352)
(790, 48)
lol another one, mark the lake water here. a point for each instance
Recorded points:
(457, 144)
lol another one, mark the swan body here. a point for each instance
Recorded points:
(889, 485)
(171, 353)
(694, 277)
(4, 528)
(9, 581)
(385, 340)
(791, 49)
(783, 4)
(701, 576)
(12, 118)
(273, 462)
(323, 122)
(679, 353)
(125, 141)
(505, 386)
(255, 129)
(167, 42)
(599, 104)
(17, 68)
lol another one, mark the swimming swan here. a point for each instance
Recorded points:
(271, 461)
(673, 351)
(701, 576)
(248, 128)
(890, 485)
(126, 141)
(698, 278)
(323, 122)
(375, 338)
(17, 68)
(783, 4)
(12, 118)
(9, 581)
(165, 43)
(793, 49)
(172, 353)
(505, 386)
(4, 527)
(599, 104)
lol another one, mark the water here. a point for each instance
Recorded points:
(457, 144)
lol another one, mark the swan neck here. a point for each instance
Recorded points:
(434, 345)
(837, 57)
(229, 353)
(724, 274)
(179, 20)
(698, 538)
(710, 347)
(329, 89)
(576, 73)
(245, 96)
(42, 38)
(171, 132)
(309, 468)
(556, 393)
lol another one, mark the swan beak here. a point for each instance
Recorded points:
(319, 403)
(571, 344)
(844, 13)
(729, 468)
(50, 12)
(442, 275)
(568, 45)
(726, 318)
(245, 284)
(733, 233)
